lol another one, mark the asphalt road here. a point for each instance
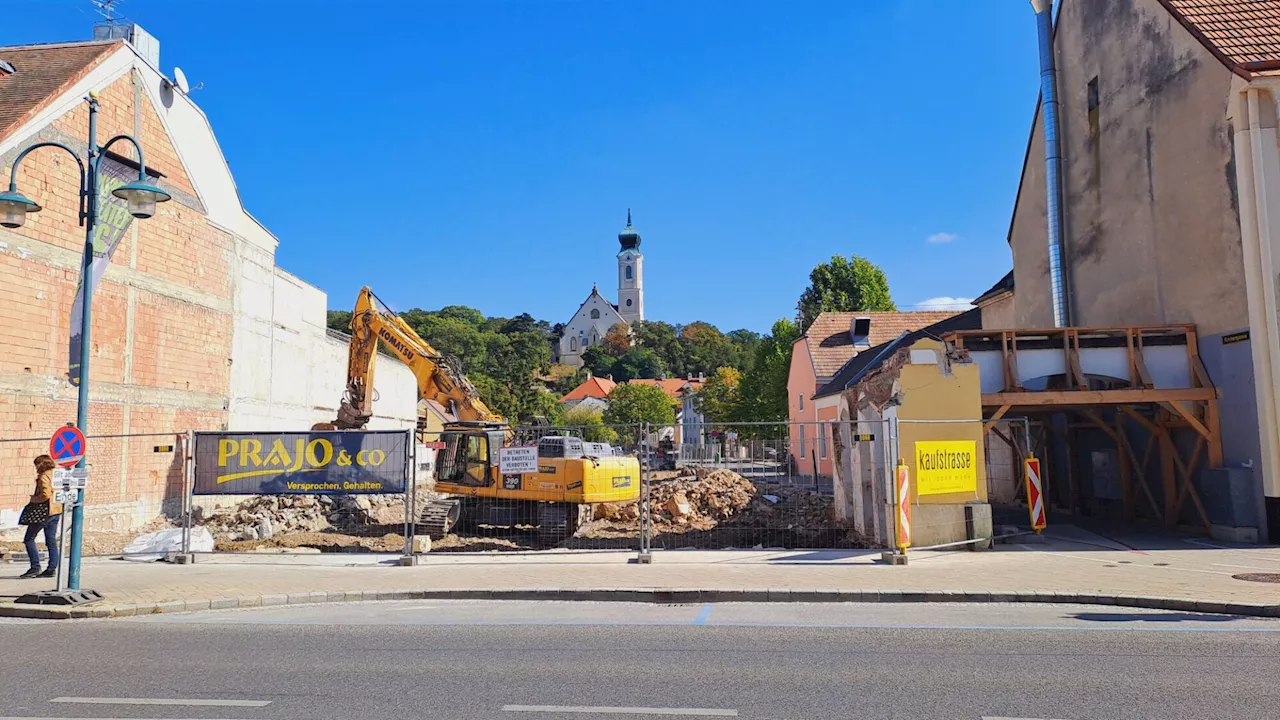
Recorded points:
(578, 661)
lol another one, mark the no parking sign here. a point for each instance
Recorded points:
(67, 446)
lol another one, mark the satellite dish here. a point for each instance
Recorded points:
(180, 79)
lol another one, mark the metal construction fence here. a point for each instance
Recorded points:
(135, 484)
(688, 485)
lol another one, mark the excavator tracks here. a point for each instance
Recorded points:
(439, 517)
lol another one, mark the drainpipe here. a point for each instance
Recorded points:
(1052, 162)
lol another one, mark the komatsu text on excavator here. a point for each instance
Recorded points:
(572, 475)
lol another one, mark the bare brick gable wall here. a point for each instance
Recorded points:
(162, 320)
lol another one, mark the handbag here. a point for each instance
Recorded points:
(36, 513)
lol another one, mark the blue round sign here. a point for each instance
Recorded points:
(67, 446)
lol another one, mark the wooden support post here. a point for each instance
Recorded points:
(1134, 381)
(1141, 471)
(990, 422)
(1011, 363)
(1004, 360)
(1073, 360)
(1140, 364)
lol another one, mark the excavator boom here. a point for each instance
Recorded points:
(438, 377)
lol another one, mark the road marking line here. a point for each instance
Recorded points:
(703, 616)
(81, 718)
(702, 712)
(995, 717)
(162, 701)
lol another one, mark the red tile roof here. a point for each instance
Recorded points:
(595, 387)
(41, 72)
(831, 344)
(674, 387)
(1244, 34)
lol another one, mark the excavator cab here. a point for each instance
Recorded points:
(470, 454)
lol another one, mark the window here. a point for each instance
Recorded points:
(628, 302)
(800, 399)
(628, 272)
(822, 441)
(1094, 100)
(573, 344)
(595, 314)
(802, 452)
(586, 342)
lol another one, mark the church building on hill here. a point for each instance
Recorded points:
(596, 315)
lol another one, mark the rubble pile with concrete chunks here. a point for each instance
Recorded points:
(298, 521)
(719, 507)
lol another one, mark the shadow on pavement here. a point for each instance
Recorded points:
(1152, 617)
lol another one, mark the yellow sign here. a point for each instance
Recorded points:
(946, 466)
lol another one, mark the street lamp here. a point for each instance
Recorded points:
(141, 198)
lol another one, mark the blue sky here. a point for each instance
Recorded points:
(484, 152)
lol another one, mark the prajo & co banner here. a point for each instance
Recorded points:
(301, 463)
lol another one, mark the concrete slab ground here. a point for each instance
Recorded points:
(1071, 565)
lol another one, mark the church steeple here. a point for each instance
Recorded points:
(629, 239)
(630, 274)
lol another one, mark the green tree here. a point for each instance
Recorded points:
(590, 423)
(340, 320)
(638, 362)
(664, 340)
(705, 348)
(762, 394)
(599, 362)
(719, 398)
(844, 285)
(632, 404)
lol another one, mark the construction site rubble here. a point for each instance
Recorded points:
(720, 508)
(263, 517)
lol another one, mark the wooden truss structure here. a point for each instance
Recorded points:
(1112, 405)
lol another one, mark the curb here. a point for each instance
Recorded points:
(643, 595)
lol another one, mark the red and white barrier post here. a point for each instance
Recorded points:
(1035, 494)
(904, 508)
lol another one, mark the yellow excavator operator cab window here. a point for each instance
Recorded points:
(465, 459)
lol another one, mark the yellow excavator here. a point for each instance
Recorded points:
(572, 476)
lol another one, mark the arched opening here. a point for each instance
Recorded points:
(628, 272)
(595, 314)
(573, 344)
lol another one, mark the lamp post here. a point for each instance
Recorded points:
(141, 197)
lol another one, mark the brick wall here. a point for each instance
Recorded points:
(162, 322)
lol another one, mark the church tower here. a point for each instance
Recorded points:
(630, 274)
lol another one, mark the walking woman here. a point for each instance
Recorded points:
(42, 513)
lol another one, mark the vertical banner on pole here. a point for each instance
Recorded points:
(112, 222)
(1035, 496)
(904, 507)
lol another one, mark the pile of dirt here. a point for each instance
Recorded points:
(319, 541)
(720, 508)
(700, 501)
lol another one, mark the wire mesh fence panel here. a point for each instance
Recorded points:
(580, 493)
(134, 486)
(760, 485)
(303, 508)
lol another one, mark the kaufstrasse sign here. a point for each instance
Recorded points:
(301, 463)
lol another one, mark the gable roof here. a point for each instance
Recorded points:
(595, 387)
(1243, 34)
(41, 73)
(864, 362)
(831, 345)
(595, 292)
(1002, 286)
(674, 387)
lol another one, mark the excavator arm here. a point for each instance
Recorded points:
(439, 379)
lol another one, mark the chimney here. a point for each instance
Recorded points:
(142, 41)
(860, 332)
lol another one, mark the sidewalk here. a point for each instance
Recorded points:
(1069, 565)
